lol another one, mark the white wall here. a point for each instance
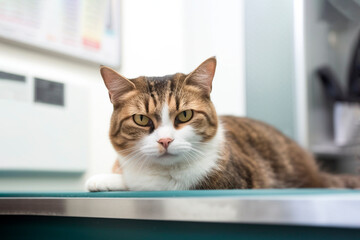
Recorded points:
(158, 37)
(216, 28)
(152, 37)
(162, 37)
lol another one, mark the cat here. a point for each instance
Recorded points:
(168, 136)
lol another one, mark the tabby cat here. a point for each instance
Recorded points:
(168, 136)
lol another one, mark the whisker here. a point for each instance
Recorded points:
(130, 160)
(187, 158)
(198, 151)
(144, 162)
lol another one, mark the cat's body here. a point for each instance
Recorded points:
(168, 137)
(257, 155)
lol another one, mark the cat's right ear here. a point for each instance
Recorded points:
(117, 84)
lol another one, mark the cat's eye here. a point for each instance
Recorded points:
(142, 120)
(184, 116)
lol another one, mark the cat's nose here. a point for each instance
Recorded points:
(165, 142)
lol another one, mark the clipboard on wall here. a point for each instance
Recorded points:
(86, 30)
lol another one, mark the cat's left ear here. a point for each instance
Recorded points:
(203, 75)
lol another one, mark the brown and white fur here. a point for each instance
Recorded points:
(207, 152)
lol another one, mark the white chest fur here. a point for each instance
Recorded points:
(181, 176)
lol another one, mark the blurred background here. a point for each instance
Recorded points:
(293, 64)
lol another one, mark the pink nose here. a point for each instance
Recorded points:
(165, 142)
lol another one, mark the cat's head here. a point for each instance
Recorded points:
(164, 120)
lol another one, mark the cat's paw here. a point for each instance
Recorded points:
(105, 182)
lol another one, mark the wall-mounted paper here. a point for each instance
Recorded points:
(88, 30)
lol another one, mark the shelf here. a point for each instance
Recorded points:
(330, 149)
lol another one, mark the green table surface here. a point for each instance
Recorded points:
(191, 193)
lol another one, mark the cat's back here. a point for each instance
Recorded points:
(260, 141)
(251, 131)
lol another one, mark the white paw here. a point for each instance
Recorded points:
(105, 182)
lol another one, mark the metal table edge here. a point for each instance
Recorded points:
(336, 211)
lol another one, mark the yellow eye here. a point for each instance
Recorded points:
(185, 116)
(141, 120)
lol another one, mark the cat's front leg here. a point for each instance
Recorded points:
(106, 182)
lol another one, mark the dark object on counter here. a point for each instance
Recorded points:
(330, 84)
(354, 73)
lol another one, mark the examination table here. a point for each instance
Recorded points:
(218, 214)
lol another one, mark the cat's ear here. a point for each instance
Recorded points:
(117, 84)
(203, 75)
